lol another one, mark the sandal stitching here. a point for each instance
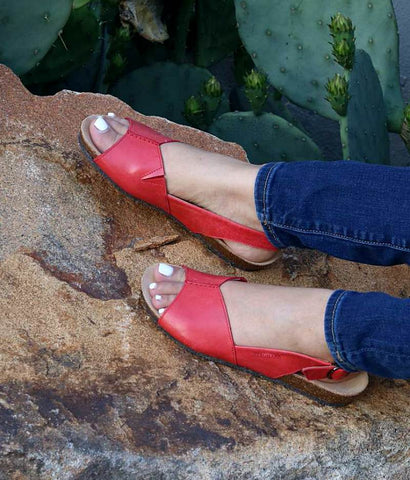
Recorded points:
(227, 324)
(223, 305)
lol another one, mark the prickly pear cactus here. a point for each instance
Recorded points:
(72, 48)
(163, 88)
(266, 137)
(27, 30)
(289, 40)
(365, 126)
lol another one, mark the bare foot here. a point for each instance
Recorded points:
(263, 316)
(215, 182)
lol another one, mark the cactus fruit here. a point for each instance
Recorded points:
(28, 29)
(217, 35)
(338, 96)
(163, 88)
(73, 48)
(266, 137)
(366, 120)
(290, 42)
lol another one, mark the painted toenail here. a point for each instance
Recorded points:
(101, 125)
(158, 297)
(152, 286)
(161, 311)
(165, 269)
(110, 114)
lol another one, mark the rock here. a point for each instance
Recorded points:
(90, 388)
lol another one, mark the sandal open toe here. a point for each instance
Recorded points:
(135, 165)
(198, 320)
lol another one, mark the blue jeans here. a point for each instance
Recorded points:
(358, 212)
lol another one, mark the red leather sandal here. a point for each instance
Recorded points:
(135, 165)
(198, 320)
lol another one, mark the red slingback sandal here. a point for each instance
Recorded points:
(134, 164)
(198, 320)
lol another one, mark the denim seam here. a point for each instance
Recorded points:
(341, 359)
(275, 166)
(371, 349)
(337, 235)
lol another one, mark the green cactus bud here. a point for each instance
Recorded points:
(342, 31)
(211, 95)
(256, 90)
(213, 88)
(340, 24)
(194, 112)
(338, 97)
(193, 106)
(255, 80)
(343, 51)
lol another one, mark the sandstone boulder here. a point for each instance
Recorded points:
(91, 389)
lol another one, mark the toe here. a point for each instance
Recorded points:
(165, 288)
(120, 125)
(103, 134)
(170, 273)
(162, 301)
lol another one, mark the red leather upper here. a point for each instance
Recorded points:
(198, 319)
(135, 164)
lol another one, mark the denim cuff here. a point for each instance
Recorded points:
(264, 185)
(334, 342)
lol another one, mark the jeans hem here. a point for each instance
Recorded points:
(332, 317)
(263, 185)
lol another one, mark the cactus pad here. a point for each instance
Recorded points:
(290, 41)
(163, 88)
(71, 50)
(367, 134)
(27, 30)
(265, 138)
